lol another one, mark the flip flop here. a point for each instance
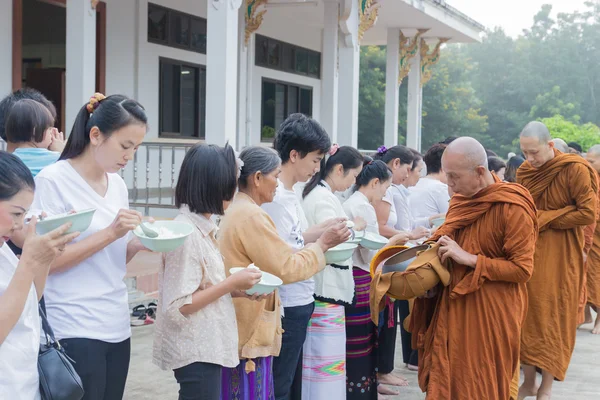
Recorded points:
(138, 311)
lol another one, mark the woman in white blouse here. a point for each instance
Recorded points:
(196, 331)
(361, 334)
(22, 282)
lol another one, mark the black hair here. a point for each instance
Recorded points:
(372, 169)
(418, 157)
(401, 152)
(111, 114)
(448, 140)
(347, 156)
(575, 146)
(301, 133)
(207, 178)
(512, 166)
(24, 93)
(257, 159)
(490, 153)
(495, 164)
(433, 158)
(15, 176)
(27, 121)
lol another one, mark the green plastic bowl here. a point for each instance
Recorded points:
(373, 241)
(358, 235)
(437, 222)
(340, 253)
(81, 222)
(164, 245)
(267, 285)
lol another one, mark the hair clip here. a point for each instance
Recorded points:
(382, 150)
(95, 102)
(334, 148)
(370, 162)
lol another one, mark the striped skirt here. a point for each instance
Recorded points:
(361, 342)
(236, 384)
(324, 358)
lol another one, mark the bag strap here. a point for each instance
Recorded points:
(48, 332)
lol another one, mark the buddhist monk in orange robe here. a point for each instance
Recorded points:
(564, 189)
(593, 257)
(468, 333)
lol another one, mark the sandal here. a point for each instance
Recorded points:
(138, 311)
(151, 310)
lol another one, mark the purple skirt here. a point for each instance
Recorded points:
(236, 384)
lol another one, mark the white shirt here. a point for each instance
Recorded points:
(406, 221)
(389, 198)
(288, 216)
(429, 197)
(332, 283)
(88, 300)
(359, 206)
(19, 377)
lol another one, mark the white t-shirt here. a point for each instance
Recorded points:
(389, 198)
(406, 221)
(359, 206)
(19, 377)
(88, 300)
(429, 197)
(288, 216)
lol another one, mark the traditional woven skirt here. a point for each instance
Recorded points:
(236, 384)
(361, 342)
(324, 359)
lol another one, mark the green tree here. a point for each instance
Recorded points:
(549, 104)
(586, 135)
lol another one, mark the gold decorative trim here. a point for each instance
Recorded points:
(429, 59)
(368, 10)
(253, 19)
(408, 49)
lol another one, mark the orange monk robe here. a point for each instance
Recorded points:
(565, 193)
(588, 233)
(468, 335)
(593, 265)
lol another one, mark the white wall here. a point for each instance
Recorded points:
(121, 34)
(6, 47)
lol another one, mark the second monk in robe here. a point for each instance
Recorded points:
(593, 258)
(564, 188)
(468, 333)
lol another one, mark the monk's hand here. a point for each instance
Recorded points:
(450, 249)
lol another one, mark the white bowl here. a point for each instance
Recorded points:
(267, 285)
(437, 222)
(373, 241)
(163, 245)
(358, 235)
(81, 221)
(340, 253)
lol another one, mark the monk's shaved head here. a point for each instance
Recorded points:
(465, 163)
(560, 145)
(593, 157)
(470, 150)
(538, 130)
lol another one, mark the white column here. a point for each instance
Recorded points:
(329, 73)
(222, 71)
(246, 67)
(6, 17)
(415, 104)
(81, 58)
(391, 87)
(349, 61)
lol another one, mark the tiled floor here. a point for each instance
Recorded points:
(147, 382)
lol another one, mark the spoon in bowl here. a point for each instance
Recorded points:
(151, 233)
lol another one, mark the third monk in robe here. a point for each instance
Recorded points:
(468, 333)
(564, 188)
(593, 258)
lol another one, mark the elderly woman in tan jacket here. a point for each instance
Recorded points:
(248, 235)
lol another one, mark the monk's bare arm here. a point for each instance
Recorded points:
(519, 247)
(582, 192)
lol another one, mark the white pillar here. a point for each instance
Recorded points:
(222, 71)
(349, 61)
(329, 73)
(391, 87)
(81, 58)
(6, 17)
(415, 104)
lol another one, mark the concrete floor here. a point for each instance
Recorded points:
(148, 382)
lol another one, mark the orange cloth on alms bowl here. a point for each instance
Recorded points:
(423, 273)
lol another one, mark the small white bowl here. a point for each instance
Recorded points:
(81, 221)
(340, 253)
(358, 235)
(373, 241)
(267, 285)
(437, 222)
(164, 245)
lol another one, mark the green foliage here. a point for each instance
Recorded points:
(492, 89)
(586, 135)
(267, 132)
